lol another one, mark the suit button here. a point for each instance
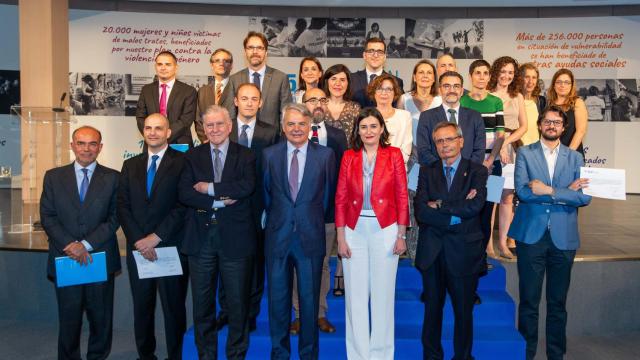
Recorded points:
(547, 211)
(355, 202)
(380, 201)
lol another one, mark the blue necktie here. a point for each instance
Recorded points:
(256, 79)
(244, 139)
(448, 170)
(151, 174)
(84, 185)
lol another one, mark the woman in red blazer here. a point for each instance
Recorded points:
(372, 214)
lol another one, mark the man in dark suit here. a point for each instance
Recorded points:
(152, 217)
(273, 83)
(220, 237)
(469, 121)
(217, 92)
(450, 196)
(78, 214)
(325, 135)
(375, 56)
(545, 226)
(257, 135)
(169, 97)
(299, 180)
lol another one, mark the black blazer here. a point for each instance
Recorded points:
(206, 98)
(235, 222)
(359, 84)
(461, 243)
(337, 141)
(161, 213)
(264, 135)
(65, 220)
(181, 109)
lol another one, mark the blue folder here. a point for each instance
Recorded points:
(180, 147)
(70, 272)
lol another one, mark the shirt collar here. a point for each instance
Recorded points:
(169, 83)
(252, 124)
(303, 148)
(319, 125)
(261, 72)
(92, 167)
(224, 81)
(222, 147)
(455, 163)
(446, 109)
(377, 73)
(549, 150)
(159, 153)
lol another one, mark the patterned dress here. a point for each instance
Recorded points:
(346, 119)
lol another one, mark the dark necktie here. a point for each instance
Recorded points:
(293, 175)
(151, 173)
(314, 134)
(244, 139)
(452, 116)
(84, 185)
(217, 166)
(256, 80)
(371, 77)
(447, 171)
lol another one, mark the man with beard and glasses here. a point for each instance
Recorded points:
(545, 227)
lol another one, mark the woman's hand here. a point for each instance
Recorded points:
(343, 249)
(400, 246)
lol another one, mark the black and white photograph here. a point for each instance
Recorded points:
(425, 36)
(464, 39)
(196, 81)
(276, 30)
(97, 93)
(346, 37)
(610, 99)
(392, 32)
(308, 37)
(9, 90)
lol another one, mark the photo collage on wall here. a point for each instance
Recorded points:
(610, 99)
(345, 37)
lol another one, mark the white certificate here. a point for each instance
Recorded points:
(604, 183)
(508, 171)
(167, 264)
(413, 177)
(495, 184)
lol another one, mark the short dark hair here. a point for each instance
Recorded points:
(374, 40)
(334, 70)
(553, 108)
(219, 50)
(168, 53)
(356, 142)
(259, 35)
(451, 74)
(376, 83)
(478, 63)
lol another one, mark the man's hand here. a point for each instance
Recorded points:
(202, 187)
(146, 246)
(578, 184)
(472, 194)
(488, 163)
(228, 202)
(78, 252)
(539, 188)
(432, 204)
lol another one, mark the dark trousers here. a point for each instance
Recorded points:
(97, 300)
(235, 275)
(533, 261)
(257, 282)
(173, 292)
(280, 277)
(486, 214)
(437, 281)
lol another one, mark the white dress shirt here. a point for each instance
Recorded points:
(322, 133)
(79, 177)
(224, 148)
(302, 158)
(369, 73)
(551, 156)
(160, 156)
(261, 72)
(169, 87)
(250, 129)
(446, 111)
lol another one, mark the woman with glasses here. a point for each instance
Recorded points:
(534, 102)
(309, 77)
(506, 83)
(384, 91)
(372, 212)
(563, 93)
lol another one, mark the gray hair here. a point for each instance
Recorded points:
(444, 124)
(217, 109)
(302, 109)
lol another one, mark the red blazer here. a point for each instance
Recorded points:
(389, 193)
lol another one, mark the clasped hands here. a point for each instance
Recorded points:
(147, 246)
(78, 252)
(203, 188)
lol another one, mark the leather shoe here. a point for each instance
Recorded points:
(253, 325)
(294, 328)
(221, 321)
(325, 326)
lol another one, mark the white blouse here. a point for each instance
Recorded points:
(400, 135)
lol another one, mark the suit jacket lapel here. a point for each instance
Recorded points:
(155, 92)
(206, 160)
(165, 164)
(95, 185)
(284, 164)
(442, 113)
(234, 130)
(459, 177)
(542, 162)
(71, 185)
(173, 95)
(229, 161)
(357, 165)
(560, 162)
(266, 85)
(309, 166)
(140, 172)
(258, 135)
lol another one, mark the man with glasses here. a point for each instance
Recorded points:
(216, 92)
(316, 102)
(272, 83)
(374, 55)
(450, 196)
(545, 228)
(469, 121)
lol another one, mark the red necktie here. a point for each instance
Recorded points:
(163, 100)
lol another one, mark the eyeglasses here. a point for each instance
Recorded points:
(548, 122)
(316, 101)
(448, 140)
(222, 61)
(373, 52)
(383, 90)
(255, 48)
(565, 82)
(449, 86)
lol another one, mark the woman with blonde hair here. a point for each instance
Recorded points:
(534, 101)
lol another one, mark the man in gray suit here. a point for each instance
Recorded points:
(273, 83)
(216, 92)
(78, 213)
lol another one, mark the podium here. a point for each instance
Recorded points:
(44, 144)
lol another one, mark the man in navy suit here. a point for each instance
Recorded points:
(299, 180)
(375, 56)
(469, 121)
(545, 227)
(450, 196)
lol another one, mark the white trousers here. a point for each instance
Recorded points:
(370, 275)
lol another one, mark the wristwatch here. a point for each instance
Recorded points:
(403, 237)
(438, 204)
